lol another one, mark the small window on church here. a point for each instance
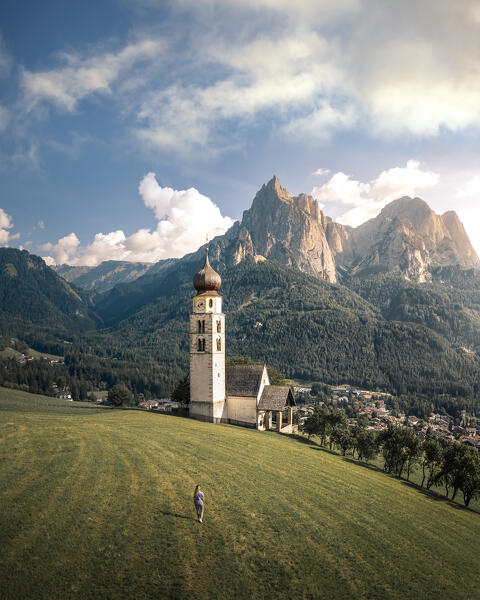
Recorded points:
(219, 326)
(201, 345)
(219, 344)
(210, 303)
(201, 326)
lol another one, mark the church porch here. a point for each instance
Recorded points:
(275, 409)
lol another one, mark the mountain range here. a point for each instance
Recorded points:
(393, 304)
(407, 237)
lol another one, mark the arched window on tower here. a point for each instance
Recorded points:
(210, 303)
(201, 326)
(201, 345)
(219, 326)
(219, 343)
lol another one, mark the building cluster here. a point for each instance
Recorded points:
(373, 407)
(24, 358)
(163, 405)
(63, 392)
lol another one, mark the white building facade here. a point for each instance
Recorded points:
(240, 394)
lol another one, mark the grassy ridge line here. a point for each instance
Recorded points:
(97, 504)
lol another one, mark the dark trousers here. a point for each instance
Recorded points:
(199, 509)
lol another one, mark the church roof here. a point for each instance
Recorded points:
(243, 380)
(207, 279)
(276, 397)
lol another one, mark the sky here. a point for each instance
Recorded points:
(131, 129)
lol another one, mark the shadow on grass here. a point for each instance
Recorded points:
(438, 496)
(432, 494)
(176, 515)
(303, 440)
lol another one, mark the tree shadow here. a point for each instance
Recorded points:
(429, 493)
(438, 496)
(176, 515)
(303, 439)
(365, 465)
(327, 450)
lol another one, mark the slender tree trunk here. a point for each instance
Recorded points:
(423, 475)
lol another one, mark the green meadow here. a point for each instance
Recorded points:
(97, 503)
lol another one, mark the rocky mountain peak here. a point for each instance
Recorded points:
(272, 191)
(407, 236)
(290, 230)
(415, 210)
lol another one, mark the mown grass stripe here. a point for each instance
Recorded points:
(112, 515)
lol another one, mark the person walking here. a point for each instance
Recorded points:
(198, 500)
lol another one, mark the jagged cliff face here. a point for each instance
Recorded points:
(407, 236)
(290, 230)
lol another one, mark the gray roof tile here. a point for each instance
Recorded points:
(276, 397)
(243, 380)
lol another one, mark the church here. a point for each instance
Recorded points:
(237, 394)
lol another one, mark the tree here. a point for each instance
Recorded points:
(120, 395)
(431, 461)
(470, 477)
(335, 418)
(451, 474)
(181, 393)
(314, 424)
(401, 448)
(342, 438)
(365, 443)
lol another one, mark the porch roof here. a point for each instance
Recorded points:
(276, 397)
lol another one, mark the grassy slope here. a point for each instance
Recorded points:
(96, 503)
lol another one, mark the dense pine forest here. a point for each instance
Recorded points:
(379, 332)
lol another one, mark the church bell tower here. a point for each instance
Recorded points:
(207, 348)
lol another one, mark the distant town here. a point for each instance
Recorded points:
(378, 409)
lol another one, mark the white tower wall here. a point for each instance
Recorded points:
(207, 359)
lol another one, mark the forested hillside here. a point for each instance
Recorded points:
(305, 327)
(450, 309)
(38, 306)
(380, 332)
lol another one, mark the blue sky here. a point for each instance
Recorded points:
(131, 128)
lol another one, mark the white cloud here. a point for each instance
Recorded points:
(5, 225)
(321, 172)
(308, 68)
(63, 250)
(49, 260)
(81, 77)
(320, 123)
(184, 218)
(353, 202)
(265, 74)
(471, 189)
(402, 181)
(390, 68)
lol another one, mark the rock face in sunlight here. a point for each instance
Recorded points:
(290, 230)
(407, 236)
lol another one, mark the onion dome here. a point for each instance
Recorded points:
(207, 280)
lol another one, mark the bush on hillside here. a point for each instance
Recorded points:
(120, 395)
